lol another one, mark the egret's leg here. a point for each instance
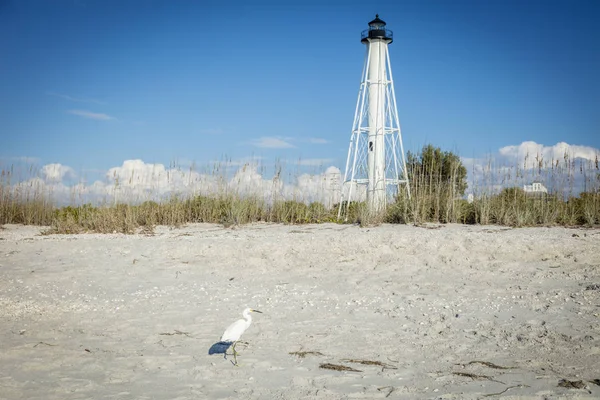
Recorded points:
(234, 354)
(228, 349)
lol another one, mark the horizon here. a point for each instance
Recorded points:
(98, 88)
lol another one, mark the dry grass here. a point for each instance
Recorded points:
(433, 201)
(337, 367)
(369, 362)
(436, 200)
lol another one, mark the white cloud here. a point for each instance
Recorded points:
(531, 154)
(271, 142)
(136, 172)
(324, 188)
(136, 181)
(75, 99)
(307, 188)
(56, 172)
(248, 181)
(91, 115)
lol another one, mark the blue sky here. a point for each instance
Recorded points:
(90, 83)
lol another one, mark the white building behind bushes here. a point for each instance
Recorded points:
(536, 188)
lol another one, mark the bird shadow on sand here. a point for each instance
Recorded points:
(222, 347)
(219, 348)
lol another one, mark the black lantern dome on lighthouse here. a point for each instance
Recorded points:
(377, 31)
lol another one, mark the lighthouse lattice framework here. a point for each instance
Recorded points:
(376, 154)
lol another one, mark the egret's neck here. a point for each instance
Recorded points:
(247, 316)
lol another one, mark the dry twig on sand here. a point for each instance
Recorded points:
(386, 387)
(176, 332)
(337, 367)
(47, 344)
(368, 362)
(477, 377)
(499, 393)
(487, 364)
(571, 384)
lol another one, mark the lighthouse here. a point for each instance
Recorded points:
(375, 165)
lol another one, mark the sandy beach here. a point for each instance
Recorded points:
(437, 312)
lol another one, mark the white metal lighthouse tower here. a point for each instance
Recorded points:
(376, 155)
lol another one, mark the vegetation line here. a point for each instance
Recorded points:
(438, 186)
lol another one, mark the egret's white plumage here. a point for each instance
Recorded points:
(234, 331)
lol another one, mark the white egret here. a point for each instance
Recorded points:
(233, 333)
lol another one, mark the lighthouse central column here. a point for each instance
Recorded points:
(376, 142)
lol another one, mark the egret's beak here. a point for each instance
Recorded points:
(257, 311)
